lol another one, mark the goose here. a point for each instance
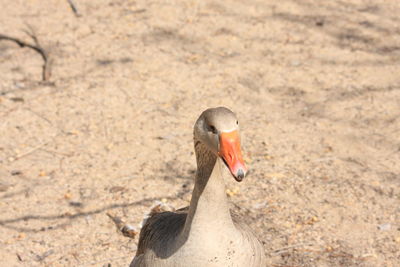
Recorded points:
(206, 233)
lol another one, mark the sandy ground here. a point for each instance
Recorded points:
(316, 85)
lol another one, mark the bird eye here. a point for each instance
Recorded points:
(213, 129)
(237, 122)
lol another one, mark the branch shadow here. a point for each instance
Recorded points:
(70, 218)
(348, 27)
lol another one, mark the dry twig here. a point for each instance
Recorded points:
(34, 149)
(126, 229)
(73, 7)
(284, 249)
(46, 71)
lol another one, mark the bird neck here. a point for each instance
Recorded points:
(209, 207)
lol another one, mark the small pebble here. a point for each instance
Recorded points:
(295, 63)
(384, 227)
(21, 236)
(16, 172)
(260, 205)
(76, 204)
(3, 187)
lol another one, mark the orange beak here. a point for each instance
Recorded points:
(232, 155)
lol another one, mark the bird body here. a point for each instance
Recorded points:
(206, 233)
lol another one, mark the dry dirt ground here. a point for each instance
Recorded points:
(316, 86)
